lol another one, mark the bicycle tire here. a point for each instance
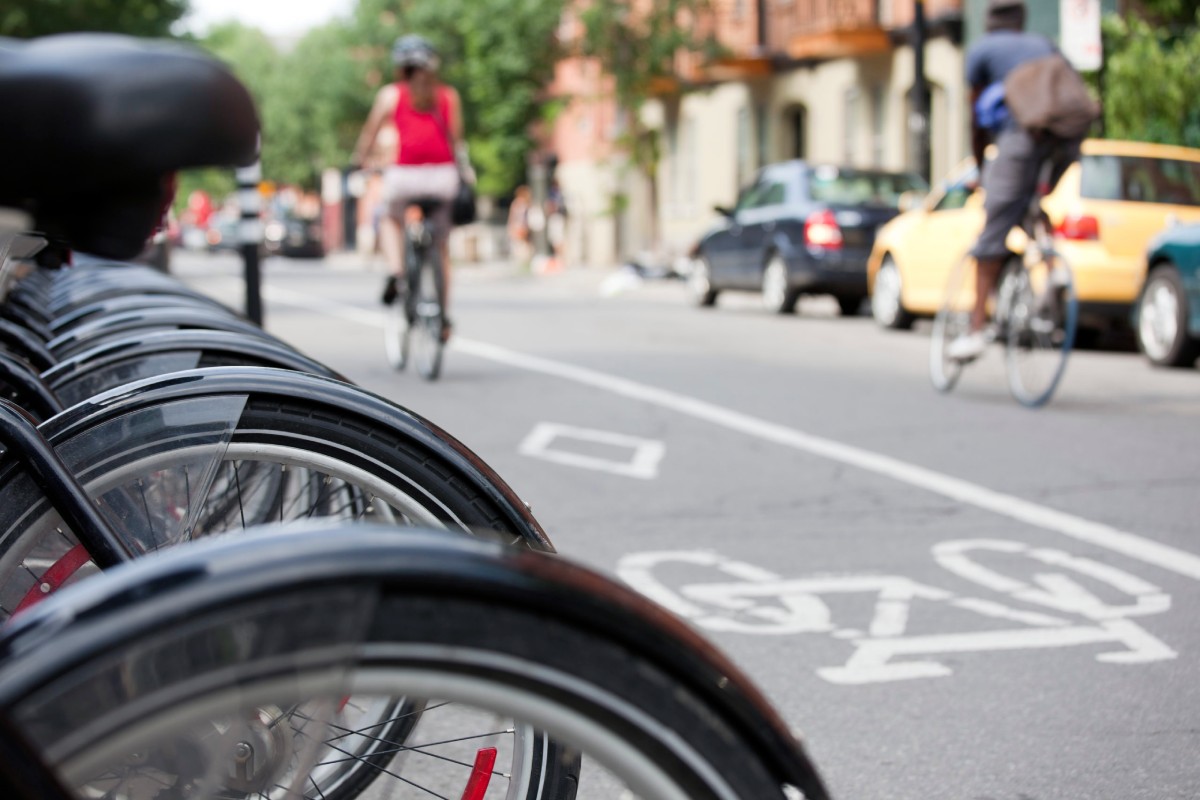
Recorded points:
(952, 319)
(166, 471)
(156, 353)
(167, 460)
(1040, 328)
(322, 613)
(426, 290)
(101, 331)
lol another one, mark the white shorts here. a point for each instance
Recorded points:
(405, 183)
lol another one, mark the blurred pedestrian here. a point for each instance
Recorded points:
(556, 225)
(520, 236)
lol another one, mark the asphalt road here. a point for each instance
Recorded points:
(949, 596)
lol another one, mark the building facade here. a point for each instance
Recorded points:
(829, 81)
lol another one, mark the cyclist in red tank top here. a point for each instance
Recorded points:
(424, 139)
(428, 119)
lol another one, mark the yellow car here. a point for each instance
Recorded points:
(1106, 209)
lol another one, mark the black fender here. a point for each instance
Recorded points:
(133, 302)
(156, 342)
(342, 399)
(76, 339)
(207, 573)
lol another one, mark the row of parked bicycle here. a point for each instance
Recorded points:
(226, 571)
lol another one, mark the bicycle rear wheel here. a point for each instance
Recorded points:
(1040, 325)
(264, 636)
(953, 319)
(429, 318)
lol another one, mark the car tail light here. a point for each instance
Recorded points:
(821, 230)
(1079, 227)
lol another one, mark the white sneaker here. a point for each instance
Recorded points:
(967, 346)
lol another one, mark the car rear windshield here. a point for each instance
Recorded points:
(1141, 180)
(839, 186)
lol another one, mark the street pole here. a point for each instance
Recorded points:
(250, 236)
(919, 121)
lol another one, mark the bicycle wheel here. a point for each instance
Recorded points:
(167, 471)
(157, 353)
(245, 635)
(953, 319)
(428, 317)
(396, 332)
(217, 450)
(1040, 325)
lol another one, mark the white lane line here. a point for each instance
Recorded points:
(1005, 505)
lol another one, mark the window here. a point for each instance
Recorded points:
(854, 187)
(878, 112)
(762, 127)
(762, 194)
(746, 163)
(851, 125)
(1141, 180)
(957, 193)
(796, 119)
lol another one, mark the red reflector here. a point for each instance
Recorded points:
(821, 230)
(58, 574)
(481, 774)
(1079, 227)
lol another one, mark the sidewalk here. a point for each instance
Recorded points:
(571, 277)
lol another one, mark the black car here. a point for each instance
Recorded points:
(800, 229)
(294, 237)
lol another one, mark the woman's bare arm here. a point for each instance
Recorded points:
(384, 106)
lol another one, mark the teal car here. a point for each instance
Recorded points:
(1167, 313)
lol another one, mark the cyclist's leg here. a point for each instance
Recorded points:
(391, 231)
(987, 275)
(1009, 183)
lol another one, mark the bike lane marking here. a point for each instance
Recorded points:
(1098, 534)
(762, 603)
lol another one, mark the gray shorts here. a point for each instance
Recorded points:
(1010, 182)
(404, 185)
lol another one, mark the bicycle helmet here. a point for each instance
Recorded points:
(414, 51)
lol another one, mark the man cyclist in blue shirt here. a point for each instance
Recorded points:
(1010, 181)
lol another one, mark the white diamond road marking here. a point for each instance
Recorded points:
(644, 454)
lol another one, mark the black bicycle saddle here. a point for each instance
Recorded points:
(94, 124)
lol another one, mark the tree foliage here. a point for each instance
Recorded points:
(1170, 12)
(638, 44)
(29, 18)
(1159, 110)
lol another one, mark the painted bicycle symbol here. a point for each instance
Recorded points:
(1065, 612)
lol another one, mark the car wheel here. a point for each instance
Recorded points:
(849, 306)
(886, 305)
(700, 283)
(776, 294)
(1162, 330)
